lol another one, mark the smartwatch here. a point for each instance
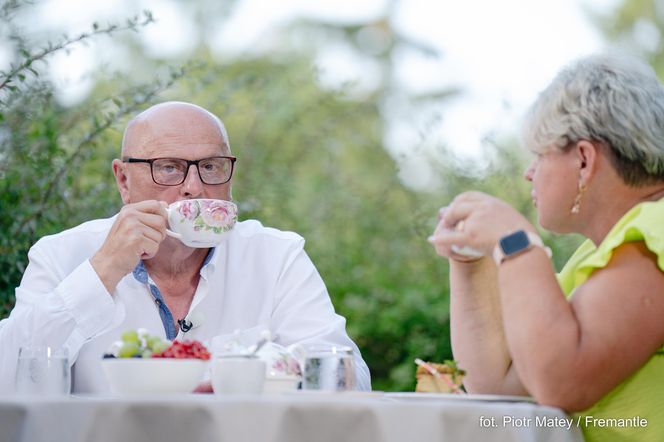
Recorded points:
(515, 244)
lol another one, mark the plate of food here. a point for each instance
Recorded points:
(440, 397)
(444, 382)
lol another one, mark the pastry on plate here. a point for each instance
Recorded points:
(435, 377)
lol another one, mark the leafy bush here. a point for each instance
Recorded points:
(45, 146)
(310, 160)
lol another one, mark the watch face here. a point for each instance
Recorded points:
(514, 243)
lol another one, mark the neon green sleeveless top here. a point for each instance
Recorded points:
(634, 410)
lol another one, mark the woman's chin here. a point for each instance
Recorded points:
(547, 222)
(554, 225)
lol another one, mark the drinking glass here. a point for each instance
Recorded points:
(43, 371)
(330, 368)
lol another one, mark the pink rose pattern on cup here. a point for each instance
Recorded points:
(216, 215)
(286, 365)
(209, 215)
(189, 210)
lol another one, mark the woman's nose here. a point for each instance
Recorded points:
(528, 174)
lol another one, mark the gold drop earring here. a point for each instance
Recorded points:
(576, 207)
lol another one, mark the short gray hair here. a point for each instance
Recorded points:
(613, 99)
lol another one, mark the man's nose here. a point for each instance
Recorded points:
(192, 186)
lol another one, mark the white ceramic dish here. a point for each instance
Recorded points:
(437, 397)
(283, 384)
(133, 376)
(239, 374)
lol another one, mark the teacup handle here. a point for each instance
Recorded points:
(173, 234)
(466, 251)
(170, 232)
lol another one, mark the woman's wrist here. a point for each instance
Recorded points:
(471, 266)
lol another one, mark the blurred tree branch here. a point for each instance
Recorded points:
(17, 70)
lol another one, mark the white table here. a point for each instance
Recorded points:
(289, 418)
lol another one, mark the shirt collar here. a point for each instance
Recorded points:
(141, 273)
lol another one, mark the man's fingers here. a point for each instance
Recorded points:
(148, 248)
(148, 206)
(153, 234)
(153, 221)
(150, 214)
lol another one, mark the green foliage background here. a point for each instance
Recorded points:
(310, 159)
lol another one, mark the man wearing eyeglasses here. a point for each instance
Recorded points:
(85, 286)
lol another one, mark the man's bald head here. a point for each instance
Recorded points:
(173, 123)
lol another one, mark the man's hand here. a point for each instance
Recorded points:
(136, 234)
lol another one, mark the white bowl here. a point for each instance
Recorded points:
(276, 385)
(131, 376)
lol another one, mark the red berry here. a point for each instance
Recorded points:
(185, 350)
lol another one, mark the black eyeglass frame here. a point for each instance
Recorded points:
(189, 164)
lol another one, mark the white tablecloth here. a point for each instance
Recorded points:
(288, 418)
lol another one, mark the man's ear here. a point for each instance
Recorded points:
(121, 180)
(587, 156)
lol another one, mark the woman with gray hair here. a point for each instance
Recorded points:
(590, 339)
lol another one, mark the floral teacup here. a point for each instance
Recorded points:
(282, 369)
(201, 223)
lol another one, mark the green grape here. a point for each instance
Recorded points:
(153, 342)
(160, 346)
(128, 350)
(130, 337)
(139, 343)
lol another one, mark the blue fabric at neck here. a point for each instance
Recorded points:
(141, 275)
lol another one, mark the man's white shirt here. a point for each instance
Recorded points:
(257, 279)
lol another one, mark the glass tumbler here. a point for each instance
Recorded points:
(43, 371)
(330, 368)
